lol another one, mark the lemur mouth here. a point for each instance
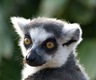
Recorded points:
(35, 64)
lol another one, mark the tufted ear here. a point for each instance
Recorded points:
(19, 24)
(73, 32)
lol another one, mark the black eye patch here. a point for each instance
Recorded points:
(50, 47)
(69, 42)
(29, 38)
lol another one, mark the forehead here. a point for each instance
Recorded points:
(42, 27)
(39, 34)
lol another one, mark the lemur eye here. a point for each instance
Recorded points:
(27, 41)
(50, 45)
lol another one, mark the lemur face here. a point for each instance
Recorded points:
(46, 41)
(40, 46)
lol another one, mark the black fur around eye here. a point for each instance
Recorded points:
(69, 42)
(49, 45)
(27, 41)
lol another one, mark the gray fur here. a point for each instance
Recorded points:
(62, 65)
(69, 71)
(49, 25)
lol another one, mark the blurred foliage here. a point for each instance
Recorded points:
(79, 11)
(87, 54)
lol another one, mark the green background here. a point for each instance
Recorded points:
(79, 11)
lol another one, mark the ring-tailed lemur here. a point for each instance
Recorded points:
(48, 46)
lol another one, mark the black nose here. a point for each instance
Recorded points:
(30, 59)
(33, 59)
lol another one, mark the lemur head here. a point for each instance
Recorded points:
(46, 41)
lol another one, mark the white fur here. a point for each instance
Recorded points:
(69, 30)
(19, 24)
(58, 60)
(29, 70)
(38, 35)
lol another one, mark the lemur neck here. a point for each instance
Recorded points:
(71, 61)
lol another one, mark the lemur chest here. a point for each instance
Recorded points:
(53, 74)
(46, 74)
(58, 74)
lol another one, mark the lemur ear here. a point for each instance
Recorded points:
(73, 31)
(19, 24)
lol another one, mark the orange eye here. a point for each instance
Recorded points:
(27, 41)
(50, 45)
